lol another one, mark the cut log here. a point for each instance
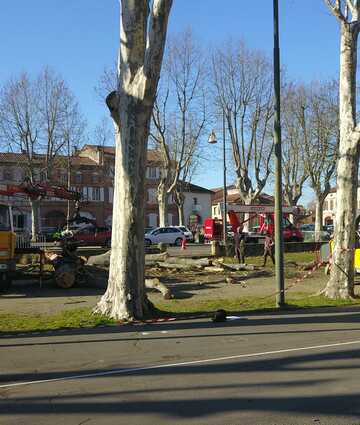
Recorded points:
(165, 265)
(156, 284)
(150, 263)
(214, 269)
(238, 267)
(199, 262)
(102, 260)
(156, 257)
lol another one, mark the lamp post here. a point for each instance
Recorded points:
(212, 140)
(279, 240)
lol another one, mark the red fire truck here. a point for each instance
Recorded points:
(265, 213)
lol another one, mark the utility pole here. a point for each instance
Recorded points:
(225, 189)
(279, 240)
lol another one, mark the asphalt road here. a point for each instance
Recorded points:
(269, 369)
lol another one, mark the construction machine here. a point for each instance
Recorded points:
(7, 234)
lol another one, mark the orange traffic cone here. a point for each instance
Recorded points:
(183, 244)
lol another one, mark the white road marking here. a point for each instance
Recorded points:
(170, 365)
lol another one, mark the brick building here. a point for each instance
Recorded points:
(92, 174)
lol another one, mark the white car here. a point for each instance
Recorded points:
(168, 235)
(188, 233)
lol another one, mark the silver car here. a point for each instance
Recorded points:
(168, 235)
(188, 234)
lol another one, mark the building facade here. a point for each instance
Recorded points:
(329, 209)
(92, 171)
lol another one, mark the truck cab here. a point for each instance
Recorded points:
(7, 246)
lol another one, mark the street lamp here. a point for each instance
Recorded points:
(212, 140)
(279, 240)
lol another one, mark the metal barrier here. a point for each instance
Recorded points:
(25, 241)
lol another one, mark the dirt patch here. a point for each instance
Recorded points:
(27, 297)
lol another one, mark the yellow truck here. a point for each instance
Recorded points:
(7, 246)
(327, 249)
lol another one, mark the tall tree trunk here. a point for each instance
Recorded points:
(141, 52)
(125, 295)
(179, 199)
(162, 197)
(318, 218)
(341, 283)
(35, 218)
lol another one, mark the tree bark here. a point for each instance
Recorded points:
(35, 219)
(162, 197)
(141, 52)
(318, 218)
(341, 283)
(179, 199)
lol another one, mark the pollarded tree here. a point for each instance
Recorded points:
(142, 40)
(244, 91)
(39, 118)
(341, 283)
(318, 119)
(293, 167)
(179, 119)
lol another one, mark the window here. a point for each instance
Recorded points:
(170, 219)
(111, 195)
(195, 201)
(19, 221)
(172, 230)
(78, 178)
(96, 196)
(152, 196)
(152, 219)
(95, 178)
(152, 172)
(331, 205)
(63, 176)
(8, 174)
(325, 205)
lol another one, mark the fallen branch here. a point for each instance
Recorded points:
(165, 265)
(156, 284)
(238, 267)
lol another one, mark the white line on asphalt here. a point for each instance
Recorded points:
(169, 365)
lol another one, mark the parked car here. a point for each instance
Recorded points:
(188, 233)
(92, 236)
(309, 233)
(168, 235)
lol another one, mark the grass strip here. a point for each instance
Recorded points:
(84, 318)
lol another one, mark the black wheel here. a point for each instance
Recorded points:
(178, 242)
(5, 282)
(147, 242)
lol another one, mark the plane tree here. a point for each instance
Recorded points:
(142, 40)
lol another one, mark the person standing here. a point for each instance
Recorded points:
(239, 239)
(268, 248)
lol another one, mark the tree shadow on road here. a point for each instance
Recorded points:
(199, 391)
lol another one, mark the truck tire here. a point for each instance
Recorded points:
(5, 281)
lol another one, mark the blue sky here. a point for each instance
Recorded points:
(78, 38)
